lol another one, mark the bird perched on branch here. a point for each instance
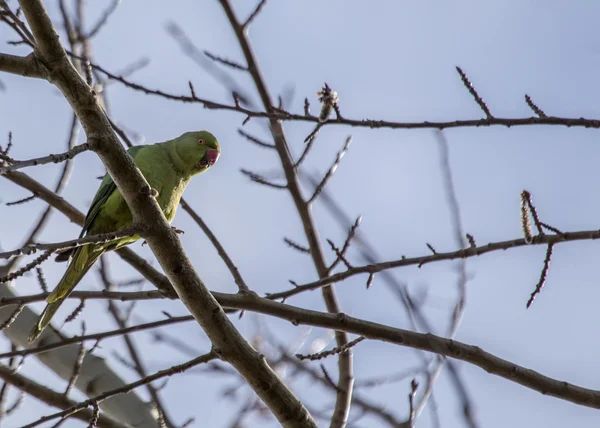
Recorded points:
(168, 168)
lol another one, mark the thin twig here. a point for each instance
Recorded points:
(261, 180)
(254, 14)
(126, 388)
(74, 243)
(533, 106)
(331, 170)
(334, 351)
(296, 246)
(543, 275)
(474, 93)
(255, 140)
(15, 165)
(225, 61)
(217, 244)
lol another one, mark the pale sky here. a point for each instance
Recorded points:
(390, 60)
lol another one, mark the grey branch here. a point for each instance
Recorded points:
(45, 159)
(163, 241)
(74, 243)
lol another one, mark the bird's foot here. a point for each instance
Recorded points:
(177, 231)
(153, 193)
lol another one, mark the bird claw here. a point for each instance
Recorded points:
(177, 231)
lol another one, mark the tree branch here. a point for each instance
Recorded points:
(53, 398)
(346, 376)
(45, 159)
(27, 66)
(229, 343)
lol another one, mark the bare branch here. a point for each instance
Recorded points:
(331, 170)
(453, 255)
(254, 14)
(162, 239)
(225, 61)
(346, 376)
(334, 351)
(351, 234)
(219, 247)
(24, 66)
(533, 106)
(53, 398)
(129, 387)
(296, 246)
(95, 336)
(45, 159)
(543, 275)
(474, 93)
(74, 243)
(36, 262)
(424, 341)
(103, 19)
(261, 180)
(255, 140)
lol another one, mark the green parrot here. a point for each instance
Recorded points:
(168, 168)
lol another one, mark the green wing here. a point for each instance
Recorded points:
(107, 187)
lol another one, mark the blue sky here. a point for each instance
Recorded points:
(387, 60)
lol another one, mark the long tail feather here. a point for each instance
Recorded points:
(82, 261)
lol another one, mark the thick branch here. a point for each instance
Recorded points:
(346, 376)
(227, 341)
(53, 398)
(24, 66)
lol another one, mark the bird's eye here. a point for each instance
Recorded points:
(201, 141)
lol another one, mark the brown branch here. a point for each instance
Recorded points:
(423, 341)
(60, 186)
(254, 14)
(53, 398)
(346, 247)
(95, 336)
(330, 171)
(533, 106)
(219, 247)
(474, 93)
(346, 377)
(453, 255)
(334, 351)
(102, 20)
(23, 66)
(225, 61)
(231, 345)
(20, 272)
(21, 201)
(296, 246)
(543, 275)
(255, 140)
(361, 402)
(261, 180)
(523, 376)
(45, 159)
(74, 243)
(138, 364)
(281, 115)
(126, 388)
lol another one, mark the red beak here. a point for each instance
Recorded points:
(212, 155)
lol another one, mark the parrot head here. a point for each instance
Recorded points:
(199, 151)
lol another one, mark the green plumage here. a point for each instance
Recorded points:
(168, 168)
